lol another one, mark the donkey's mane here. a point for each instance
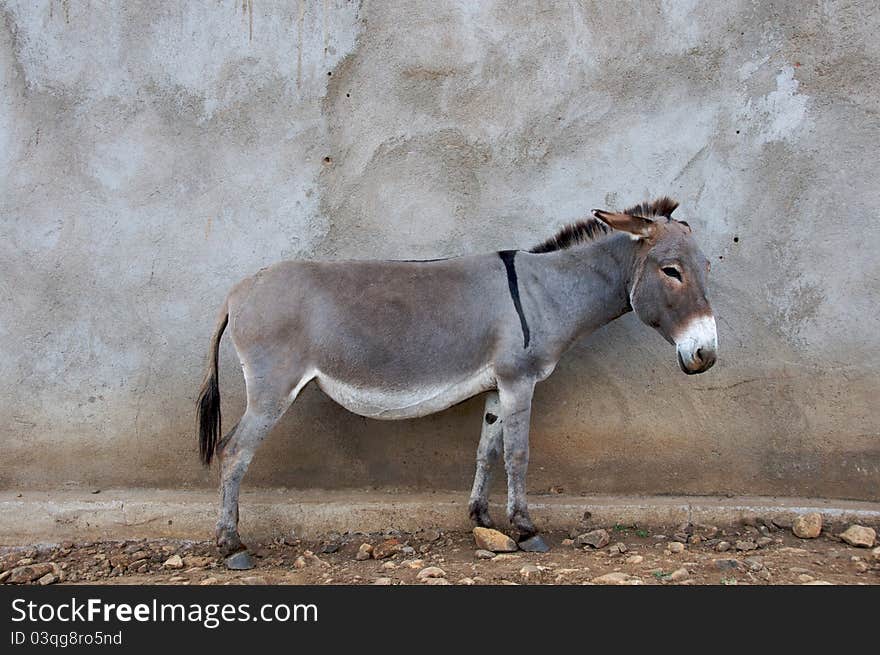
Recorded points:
(590, 229)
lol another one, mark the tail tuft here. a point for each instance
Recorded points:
(208, 407)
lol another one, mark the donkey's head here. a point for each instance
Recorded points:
(668, 287)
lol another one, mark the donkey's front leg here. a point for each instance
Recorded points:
(487, 454)
(516, 409)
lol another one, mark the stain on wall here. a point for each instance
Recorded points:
(152, 155)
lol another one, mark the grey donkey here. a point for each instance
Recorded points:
(402, 339)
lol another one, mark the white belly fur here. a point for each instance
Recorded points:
(391, 404)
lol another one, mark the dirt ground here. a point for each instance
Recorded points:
(758, 552)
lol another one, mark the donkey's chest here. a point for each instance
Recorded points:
(390, 403)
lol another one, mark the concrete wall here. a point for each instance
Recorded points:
(151, 154)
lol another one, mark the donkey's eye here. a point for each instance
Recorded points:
(671, 271)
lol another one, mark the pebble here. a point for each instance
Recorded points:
(875, 554)
(763, 542)
(635, 559)
(467, 582)
(679, 574)
(178, 578)
(568, 542)
(859, 536)
(484, 554)
(49, 578)
(534, 544)
(530, 572)
(722, 546)
(617, 578)
(675, 547)
(437, 581)
(389, 566)
(383, 581)
(240, 561)
(386, 549)
(805, 577)
(365, 552)
(504, 557)
(754, 563)
(497, 542)
(817, 582)
(595, 538)
(782, 522)
(173, 562)
(807, 526)
(208, 582)
(413, 563)
(726, 564)
(431, 572)
(746, 545)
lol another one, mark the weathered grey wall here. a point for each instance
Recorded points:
(151, 154)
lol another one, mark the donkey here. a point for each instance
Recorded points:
(403, 339)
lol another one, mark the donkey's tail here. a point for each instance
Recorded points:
(208, 406)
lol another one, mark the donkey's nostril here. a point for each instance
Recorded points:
(699, 355)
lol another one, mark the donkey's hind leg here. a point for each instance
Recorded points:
(236, 451)
(487, 454)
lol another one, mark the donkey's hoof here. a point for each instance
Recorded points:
(534, 544)
(240, 561)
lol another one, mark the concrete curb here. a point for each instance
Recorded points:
(53, 516)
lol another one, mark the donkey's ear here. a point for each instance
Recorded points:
(636, 225)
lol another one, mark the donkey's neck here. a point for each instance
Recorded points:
(586, 285)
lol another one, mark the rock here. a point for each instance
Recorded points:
(568, 542)
(484, 554)
(595, 538)
(722, 546)
(49, 578)
(763, 542)
(635, 559)
(175, 579)
(530, 572)
(194, 560)
(31, 572)
(208, 582)
(386, 549)
(413, 563)
(240, 561)
(468, 582)
(805, 577)
(389, 566)
(746, 545)
(300, 562)
(383, 582)
(497, 542)
(678, 575)
(5, 575)
(534, 544)
(431, 535)
(364, 552)
(807, 526)
(726, 564)
(437, 581)
(764, 575)
(754, 563)
(620, 547)
(617, 578)
(504, 557)
(782, 522)
(253, 580)
(859, 536)
(875, 554)
(675, 547)
(431, 572)
(173, 562)
(817, 582)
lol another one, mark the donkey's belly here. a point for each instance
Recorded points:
(418, 400)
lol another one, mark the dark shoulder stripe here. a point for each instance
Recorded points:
(507, 256)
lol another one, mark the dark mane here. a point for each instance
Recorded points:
(585, 230)
(661, 207)
(590, 229)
